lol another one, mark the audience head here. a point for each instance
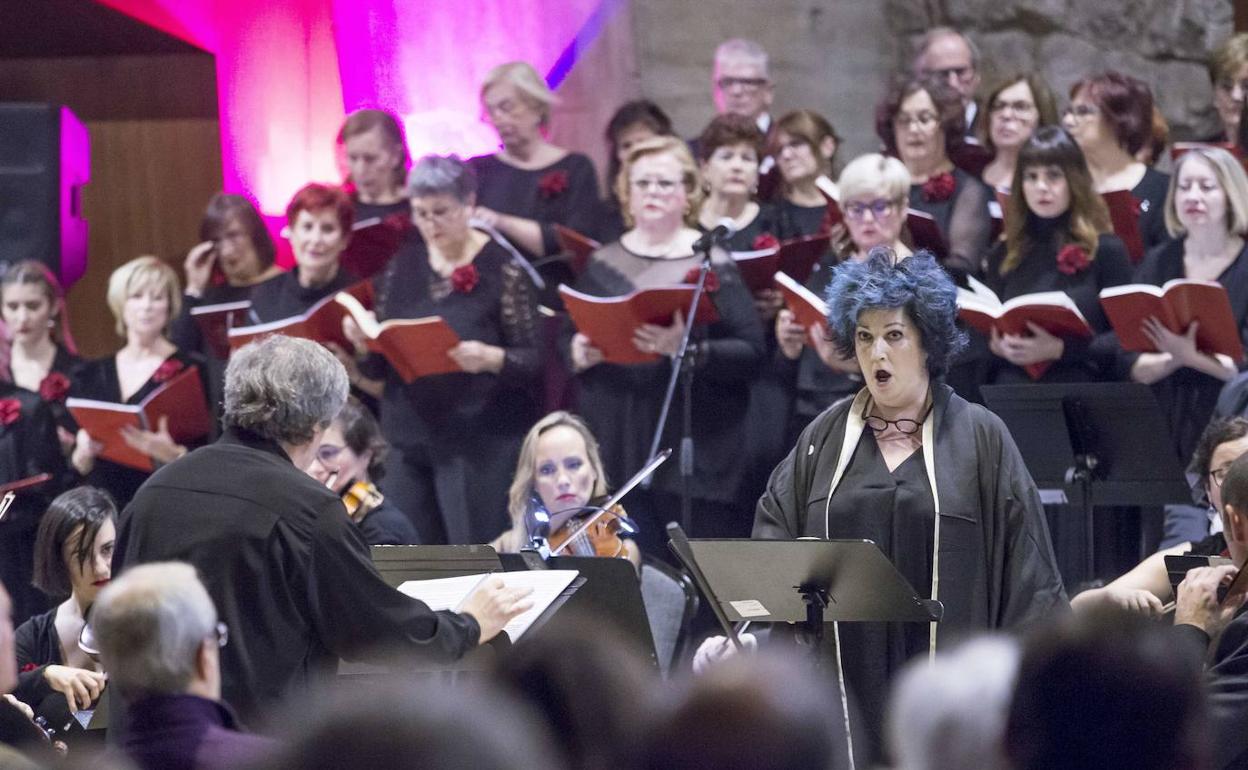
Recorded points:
(742, 83)
(560, 463)
(33, 304)
(517, 102)
(351, 449)
(284, 389)
(1235, 509)
(318, 222)
(756, 712)
(144, 297)
(874, 189)
(659, 185)
(950, 714)
(870, 302)
(1221, 443)
(157, 632)
(1051, 180)
(1106, 690)
(921, 121)
(244, 248)
(1228, 72)
(729, 150)
(804, 145)
(950, 56)
(413, 725)
(375, 152)
(632, 123)
(1015, 107)
(443, 190)
(1110, 109)
(1208, 186)
(74, 545)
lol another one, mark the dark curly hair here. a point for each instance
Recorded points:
(362, 434)
(917, 284)
(948, 107)
(1216, 433)
(1125, 102)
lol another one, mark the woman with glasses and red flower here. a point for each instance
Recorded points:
(145, 298)
(454, 437)
(1057, 238)
(660, 190)
(922, 122)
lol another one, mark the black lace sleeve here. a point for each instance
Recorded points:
(521, 332)
(970, 229)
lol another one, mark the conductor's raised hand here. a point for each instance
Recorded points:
(493, 605)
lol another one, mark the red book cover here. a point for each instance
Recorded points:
(806, 306)
(610, 322)
(1124, 215)
(181, 400)
(215, 322)
(926, 234)
(321, 323)
(1177, 305)
(415, 347)
(1053, 311)
(578, 247)
(795, 257)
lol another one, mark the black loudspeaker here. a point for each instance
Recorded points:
(45, 159)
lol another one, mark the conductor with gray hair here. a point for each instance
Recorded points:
(159, 640)
(286, 569)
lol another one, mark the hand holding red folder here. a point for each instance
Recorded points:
(611, 323)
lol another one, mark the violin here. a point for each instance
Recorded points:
(360, 498)
(595, 532)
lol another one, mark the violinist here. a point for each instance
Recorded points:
(350, 460)
(560, 475)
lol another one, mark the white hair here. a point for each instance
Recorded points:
(740, 48)
(283, 389)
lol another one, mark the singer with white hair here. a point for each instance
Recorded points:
(660, 192)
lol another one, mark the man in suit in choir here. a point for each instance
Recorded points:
(947, 54)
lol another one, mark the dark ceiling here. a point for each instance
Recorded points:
(56, 28)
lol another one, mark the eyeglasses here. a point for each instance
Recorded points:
(326, 454)
(435, 215)
(1018, 108)
(664, 186)
(963, 74)
(904, 425)
(922, 120)
(1080, 111)
(222, 633)
(1219, 475)
(746, 84)
(1229, 86)
(879, 208)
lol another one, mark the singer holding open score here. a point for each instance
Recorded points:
(936, 482)
(660, 190)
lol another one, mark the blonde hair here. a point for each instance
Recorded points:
(532, 86)
(658, 145)
(522, 484)
(1231, 177)
(137, 275)
(872, 173)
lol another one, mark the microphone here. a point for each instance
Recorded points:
(717, 235)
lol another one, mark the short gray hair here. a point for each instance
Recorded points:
(442, 175)
(149, 624)
(936, 33)
(741, 48)
(283, 389)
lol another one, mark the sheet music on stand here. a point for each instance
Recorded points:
(450, 593)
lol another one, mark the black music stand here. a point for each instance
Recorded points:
(612, 592)
(811, 582)
(1092, 443)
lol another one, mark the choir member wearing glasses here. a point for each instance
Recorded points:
(922, 121)
(804, 145)
(660, 189)
(1014, 109)
(454, 437)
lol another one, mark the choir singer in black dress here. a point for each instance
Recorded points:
(455, 436)
(289, 573)
(936, 482)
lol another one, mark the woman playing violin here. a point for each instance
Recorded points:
(560, 469)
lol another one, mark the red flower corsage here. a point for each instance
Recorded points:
(712, 280)
(465, 278)
(10, 411)
(165, 371)
(54, 387)
(552, 183)
(939, 188)
(765, 241)
(1072, 258)
(29, 667)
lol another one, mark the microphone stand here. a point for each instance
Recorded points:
(682, 371)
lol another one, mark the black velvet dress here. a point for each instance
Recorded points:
(1188, 397)
(283, 297)
(565, 192)
(793, 221)
(1151, 194)
(97, 380)
(963, 218)
(456, 436)
(743, 240)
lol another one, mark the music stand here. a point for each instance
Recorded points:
(1092, 443)
(810, 582)
(612, 591)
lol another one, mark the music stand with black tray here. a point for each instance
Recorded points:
(1092, 444)
(807, 581)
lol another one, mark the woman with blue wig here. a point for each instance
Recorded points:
(936, 482)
